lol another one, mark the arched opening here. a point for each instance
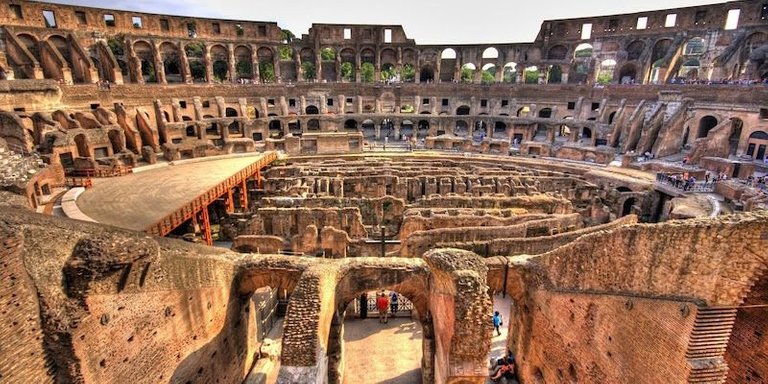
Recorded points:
(423, 128)
(220, 60)
(545, 113)
(406, 129)
(509, 74)
(689, 70)
(756, 145)
(531, 75)
(312, 110)
(347, 68)
(583, 51)
(234, 128)
(369, 129)
(195, 55)
(350, 125)
(266, 57)
(169, 53)
(554, 74)
(468, 73)
(387, 128)
(628, 74)
(605, 73)
(230, 112)
(462, 110)
(294, 128)
(243, 63)
(116, 141)
(488, 75)
(499, 127)
(491, 53)
(82, 146)
(611, 117)
(191, 131)
(313, 125)
(586, 133)
(705, 125)
(426, 74)
(389, 73)
(447, 64)
(461, 129)
(558, 52)
(276, 129)
(628, 206)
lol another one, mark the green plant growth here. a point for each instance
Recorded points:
(489, 75)
(367, 72)
(197, 70)
(220, 70)
(407, 108)
(389, 72)
(266, 71)
(244, 68)
(288, 36)
(116, 44)
(555, 75)
(194, 50)
(148, 71)
(605, 77)
(531, 76)
(309, 70)
(347, 71)
(409, 73)
(327, 54)
(467, 74)
(509, 75)
(286, 53)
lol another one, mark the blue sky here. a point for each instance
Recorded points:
(446, 21)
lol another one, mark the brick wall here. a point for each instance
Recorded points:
(747, 353)
(22, 357)
(604, 339)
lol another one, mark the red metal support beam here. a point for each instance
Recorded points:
(244, 195)
(206, 230)
(230, 201)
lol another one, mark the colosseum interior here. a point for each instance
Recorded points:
(191, 200)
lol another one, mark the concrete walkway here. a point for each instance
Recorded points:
(382, 353)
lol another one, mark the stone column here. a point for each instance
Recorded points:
(231, 63)
(255, 64)
(208, 64)
(299, 69)
(318, 66)
(159, 65)
(276, 65)
(358, 66)
(186, 71)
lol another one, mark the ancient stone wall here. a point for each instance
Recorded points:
(22, 354)
(746, 354)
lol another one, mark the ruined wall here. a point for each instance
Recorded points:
(583, 338)
(747, 353)
(22, 355)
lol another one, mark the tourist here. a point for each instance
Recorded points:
(393, 301)
(497, 322)
(505, 371)
(382, 305)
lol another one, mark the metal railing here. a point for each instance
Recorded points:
(685, 185)
(101, 172)
(404, 306)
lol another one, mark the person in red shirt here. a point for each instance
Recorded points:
(382, 305)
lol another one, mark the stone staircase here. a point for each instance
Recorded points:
(709, 339)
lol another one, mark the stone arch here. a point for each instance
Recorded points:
(230, 112)
(706, 124)
(266, 59)
(659, 50)
(491, 53)
(30, 42)
(313, 125)
(369, 129)
(554, 74)
(144, 52)
(545, 113)
(276, 129)
(461, 128)
(468, 72)
(462, 110)
(348, 65)
(558, 52)
(422, 129)
(499, 127)
(756, 145)
(448, 60)
(220, 62)
(350, 124)
(426, 74)
(606, 71)
(509, 73)
(312, 110)
(243, 62)
(169, 54)
(583, 51)
(628, 74)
